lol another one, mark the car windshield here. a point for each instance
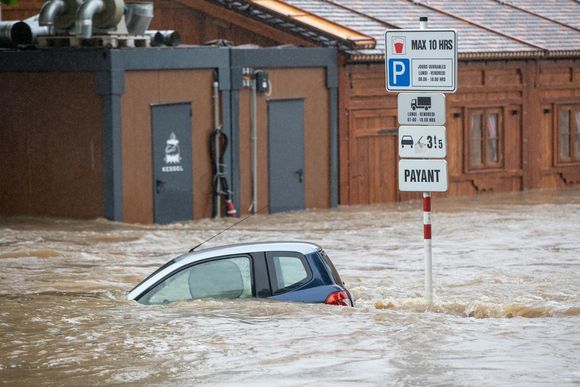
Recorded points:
(171, 262)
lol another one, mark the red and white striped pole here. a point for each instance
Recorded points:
(428, 246)
(427, 222)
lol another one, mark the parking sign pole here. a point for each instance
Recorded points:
(421, 64)
(427, 245)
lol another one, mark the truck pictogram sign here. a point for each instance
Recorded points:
(421, 109)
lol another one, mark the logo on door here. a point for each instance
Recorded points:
(172, 155)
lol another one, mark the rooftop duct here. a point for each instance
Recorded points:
(138, 17)
(58, 14)
(101, 16)
(168, 38)
(14, 33)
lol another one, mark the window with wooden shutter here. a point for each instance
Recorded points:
(568, 133)
(484, 145)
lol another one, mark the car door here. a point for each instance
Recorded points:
(223, 277)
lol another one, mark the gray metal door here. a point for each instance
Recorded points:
(286, 155)
(172, 175)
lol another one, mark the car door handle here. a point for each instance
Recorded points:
(300, 174)
(159, 185)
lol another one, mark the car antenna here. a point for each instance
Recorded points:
(232, 226)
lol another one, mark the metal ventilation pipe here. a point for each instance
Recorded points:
(160, 38)
(49, 11)
(106, 16)
(85, 14)
(14, 33)
(7, 33)
(35, 28)
(58, 14)
(138, 17)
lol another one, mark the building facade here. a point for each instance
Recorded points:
(513, 124)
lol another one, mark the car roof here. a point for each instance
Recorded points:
(198, 255)
(241, 248)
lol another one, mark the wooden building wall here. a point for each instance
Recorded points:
(143, 88)
(525, 94)
(22, 10)
(557, 84)
(308, 84)
(50, 145)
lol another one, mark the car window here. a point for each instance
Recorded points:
(330, 266)
(224, 278)
(290, 270)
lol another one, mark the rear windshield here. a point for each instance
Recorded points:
(331, 267)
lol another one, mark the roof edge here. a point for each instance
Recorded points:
(354, 57)
(357, 39)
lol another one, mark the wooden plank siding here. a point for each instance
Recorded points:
(558, 84)
(525, 95)
(51, 153)
(312, 90)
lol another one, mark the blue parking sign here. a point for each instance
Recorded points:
(399, 72)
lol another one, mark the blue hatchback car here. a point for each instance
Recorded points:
(287, 271)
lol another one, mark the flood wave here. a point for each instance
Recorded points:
(480, 309)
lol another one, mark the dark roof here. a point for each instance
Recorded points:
(554, 38)
(486, 28)
(403, 14)
(562, 11)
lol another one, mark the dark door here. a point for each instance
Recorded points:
(286, 155)
(172, 175)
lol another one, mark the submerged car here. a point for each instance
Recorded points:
(287, 271)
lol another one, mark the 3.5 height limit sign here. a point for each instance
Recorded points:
(421, 60)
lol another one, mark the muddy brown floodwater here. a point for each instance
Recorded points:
(506, 312)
